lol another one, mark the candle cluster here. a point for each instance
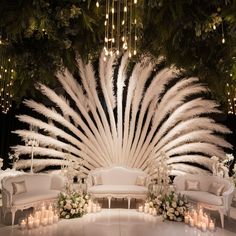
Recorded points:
(199, 219)
(92, 207)
(147, 209)
(44, 216)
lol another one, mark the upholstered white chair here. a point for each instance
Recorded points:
(117, 182)
(210, 192)
(29, 190)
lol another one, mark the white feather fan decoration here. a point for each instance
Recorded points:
(124, 115)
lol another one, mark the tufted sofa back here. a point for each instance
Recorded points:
(118, 175)
(34, 182)
(205, 181)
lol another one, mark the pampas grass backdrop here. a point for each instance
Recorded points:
(125, 116)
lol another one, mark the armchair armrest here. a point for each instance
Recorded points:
(6, 198)
(228, 196)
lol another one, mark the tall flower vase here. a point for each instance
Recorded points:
(33, 143)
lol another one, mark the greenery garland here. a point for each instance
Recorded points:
(44, 36)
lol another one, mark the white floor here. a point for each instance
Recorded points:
(119, 222)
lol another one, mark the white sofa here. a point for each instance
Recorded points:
(205, 198)
(38, 188)
(117, 182)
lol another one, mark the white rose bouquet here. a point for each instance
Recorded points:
(72, 205)
(170, 206)
(173, 207)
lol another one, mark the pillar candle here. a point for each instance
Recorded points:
(150, 210)
(140, 208)
(204, 226)
(50, 220)
(211, 226)
(30, 224)
(55, 218)
(36, 223)
(154, 212)
(23, 224)
(186, 219)
(191, 222)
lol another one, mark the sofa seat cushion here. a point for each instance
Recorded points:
(204, 197)
(118, 189)
(30, 197)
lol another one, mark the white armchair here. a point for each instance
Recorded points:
(117, 182)
(29, 190)
(202, 193)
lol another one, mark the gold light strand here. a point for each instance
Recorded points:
(231, 97)
(7, 75)
(135, 27)
(120, 27)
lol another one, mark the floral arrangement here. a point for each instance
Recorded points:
(160, 172)
(221, 167)
(168, 204)
(172, 206)
(14, 157)
(72, 204)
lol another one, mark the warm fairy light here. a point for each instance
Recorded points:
(7, 75)
(231, 93)
(214, 27)
(97, 4)
(120, 27)
(223, 40)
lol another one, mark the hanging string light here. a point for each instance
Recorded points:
(7, 75)
(120, 27)
(231, 95)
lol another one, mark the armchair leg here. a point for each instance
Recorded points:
(222, 218)
(13, 212)
(129, 202)
(228, 214)
(109, 202)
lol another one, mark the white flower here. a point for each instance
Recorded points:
(176, 213)
(181, 203)
(67, 216)
(174, 204)
(67, 206)
(72, 211)
(86, 197)
(172, 210)
(63, 213)
(151, 204)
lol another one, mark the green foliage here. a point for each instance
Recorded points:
(189, 33)
(46, 35)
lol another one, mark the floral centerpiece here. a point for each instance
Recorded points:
(172, 206)
(72, 204)
(168, 204)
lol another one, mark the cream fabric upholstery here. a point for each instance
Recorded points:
(199, 196)
(31, 197)
(203, 196)
(117, 182)
(39, 188)
(118, 189)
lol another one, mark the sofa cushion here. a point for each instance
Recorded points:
(216, 188)
(204, 197)
(19, 187)
(118, 189)
(192, 185)
(30, 197)
(97, 180)
(140, 180)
